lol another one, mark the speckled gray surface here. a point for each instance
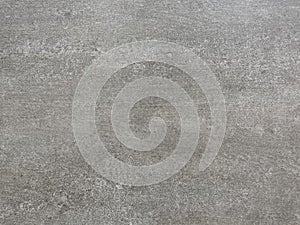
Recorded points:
(251, 46)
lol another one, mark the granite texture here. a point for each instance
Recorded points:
(251, 46)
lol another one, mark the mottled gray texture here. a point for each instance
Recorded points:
(252, 47)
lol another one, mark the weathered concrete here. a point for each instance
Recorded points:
(252, 47)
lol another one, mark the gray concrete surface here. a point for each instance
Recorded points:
(251, 46)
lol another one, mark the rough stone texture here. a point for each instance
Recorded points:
(252, 46)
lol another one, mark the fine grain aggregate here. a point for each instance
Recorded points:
(251, 46)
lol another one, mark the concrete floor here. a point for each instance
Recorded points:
(252, 48)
